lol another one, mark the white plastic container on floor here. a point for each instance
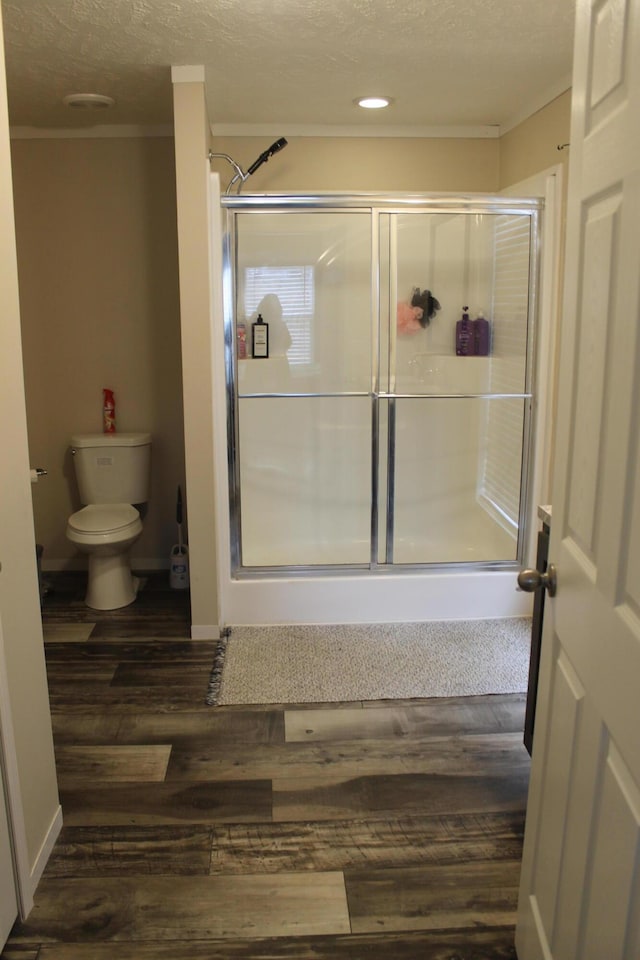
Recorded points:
(179, 567)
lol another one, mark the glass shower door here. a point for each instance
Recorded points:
(457, 398)
(303, 414)
(374, 434)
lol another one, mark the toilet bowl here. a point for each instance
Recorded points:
(113, 472)
(105, 532)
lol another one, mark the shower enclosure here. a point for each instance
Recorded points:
(365, 445)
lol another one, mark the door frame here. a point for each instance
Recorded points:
(549, 185)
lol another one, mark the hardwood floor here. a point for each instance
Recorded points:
(316, 832)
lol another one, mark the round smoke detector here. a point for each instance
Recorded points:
(88, 101)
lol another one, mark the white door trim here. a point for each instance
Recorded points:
(9, 761)
(549, 185)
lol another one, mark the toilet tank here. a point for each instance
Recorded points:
(112, 467)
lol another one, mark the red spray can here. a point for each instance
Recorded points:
(109, 412)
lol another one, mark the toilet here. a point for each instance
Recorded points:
(113, 471)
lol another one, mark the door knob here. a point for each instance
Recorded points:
(532, 580)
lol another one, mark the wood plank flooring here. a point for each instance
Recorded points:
(360, 831)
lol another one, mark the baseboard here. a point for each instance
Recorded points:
(204, 632)
(45, 850)
(59, 566)
(150, 563)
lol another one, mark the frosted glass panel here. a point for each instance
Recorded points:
(457, 479)
(305, 471)
(479, 261)
(309, 275)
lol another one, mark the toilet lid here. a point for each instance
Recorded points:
(103, 517)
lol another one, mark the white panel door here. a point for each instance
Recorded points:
(580, 885)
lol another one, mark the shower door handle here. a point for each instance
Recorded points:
(532, 580)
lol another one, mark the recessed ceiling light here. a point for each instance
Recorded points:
(373, 103)
(88, 101)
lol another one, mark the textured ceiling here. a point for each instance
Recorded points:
(279, 62)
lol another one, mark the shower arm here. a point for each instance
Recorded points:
(240, 174)
(275, 147)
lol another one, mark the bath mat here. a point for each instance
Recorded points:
(395, 661)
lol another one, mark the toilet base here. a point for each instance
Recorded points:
(111, 584)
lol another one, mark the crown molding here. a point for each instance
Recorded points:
(371, 131)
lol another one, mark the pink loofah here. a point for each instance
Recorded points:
(409, 318)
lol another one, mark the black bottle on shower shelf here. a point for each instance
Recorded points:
(260, 338)
(465, 345)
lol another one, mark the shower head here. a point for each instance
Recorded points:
(241, 176)
(274, 148)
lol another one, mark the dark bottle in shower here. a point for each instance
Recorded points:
(260, 338)
(481, 336)
(465, 345)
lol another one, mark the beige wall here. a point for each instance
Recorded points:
(23, 685)
(315, 164)
(97, 258)
(532, 146)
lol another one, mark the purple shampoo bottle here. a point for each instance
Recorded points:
(481, 336)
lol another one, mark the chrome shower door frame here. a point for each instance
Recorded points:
(382, 392)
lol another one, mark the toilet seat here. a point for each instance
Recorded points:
(104, 519)
(106, 531)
